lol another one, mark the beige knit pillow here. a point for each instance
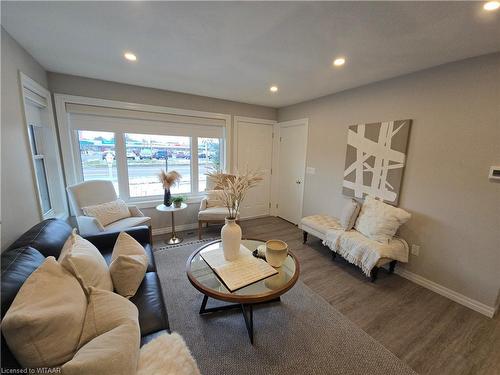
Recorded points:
(349, 214)
(42, 326)
(110, 338)
(129, 263)
(214, 198)
(108, 213)
(83, 260)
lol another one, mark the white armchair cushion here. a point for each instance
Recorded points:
(107, 213)
(214, 199)
(128, 222)
(214, 213)
(380, 221)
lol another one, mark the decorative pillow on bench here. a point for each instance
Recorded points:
(349, 214)
(380, 221)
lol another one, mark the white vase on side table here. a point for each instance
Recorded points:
(231, 239)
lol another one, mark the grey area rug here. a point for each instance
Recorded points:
(302, 334)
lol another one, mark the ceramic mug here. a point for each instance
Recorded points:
(276, 252)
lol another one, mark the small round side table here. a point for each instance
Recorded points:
(162, 208)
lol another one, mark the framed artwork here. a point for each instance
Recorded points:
(375, 159)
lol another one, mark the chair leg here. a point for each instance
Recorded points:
(392, 265)
(374, 274)
(200, 228)
(304, 236)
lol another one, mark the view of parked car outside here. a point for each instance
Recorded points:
(146, 155)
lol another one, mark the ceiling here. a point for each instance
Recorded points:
(237, 50)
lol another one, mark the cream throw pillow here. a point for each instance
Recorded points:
(129, 263)
(108, 213)
(110, 338)
(83, 260)
(349, 214)
(214, 199)
(167, 355)
(380, 221)
(43, 325)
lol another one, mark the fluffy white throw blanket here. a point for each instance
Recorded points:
(362, 251)
(167, 355)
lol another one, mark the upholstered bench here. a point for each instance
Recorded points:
(319, 225)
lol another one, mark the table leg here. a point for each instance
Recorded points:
(248, 319)
(246, 310)
(174, 239)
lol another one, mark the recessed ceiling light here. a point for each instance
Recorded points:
(273, 88)
(130, 56)
(339, 61)
(491, 5)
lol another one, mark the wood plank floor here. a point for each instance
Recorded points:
(431, 333)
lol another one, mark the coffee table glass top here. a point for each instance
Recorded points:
(204, 274)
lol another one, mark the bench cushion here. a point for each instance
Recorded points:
(320, 223)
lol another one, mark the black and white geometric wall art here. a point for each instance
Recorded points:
(375, 159)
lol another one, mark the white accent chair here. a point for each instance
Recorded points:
(94, 192)
(211, 212)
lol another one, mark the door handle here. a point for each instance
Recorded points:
(298, 182)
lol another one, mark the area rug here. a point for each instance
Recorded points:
(301, 334)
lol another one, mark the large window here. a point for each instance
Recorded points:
(148, 154)
(209, 158)
(98, 156)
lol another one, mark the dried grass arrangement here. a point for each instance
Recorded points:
(169, 179)
(233, 188)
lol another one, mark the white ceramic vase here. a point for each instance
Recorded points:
(231, 239)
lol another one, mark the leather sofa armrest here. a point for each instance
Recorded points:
(107, 240)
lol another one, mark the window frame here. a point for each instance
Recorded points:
(71, 151)
(33, 93)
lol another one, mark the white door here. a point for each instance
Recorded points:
(254, 152)
(292, 165)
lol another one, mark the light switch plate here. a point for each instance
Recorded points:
(310, 170)
(415, 249)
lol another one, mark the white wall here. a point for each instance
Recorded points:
(454, 139)
(19, 198)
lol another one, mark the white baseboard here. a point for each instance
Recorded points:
(480, 307)
(178, 228)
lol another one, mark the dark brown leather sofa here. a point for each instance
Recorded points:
(47, 238)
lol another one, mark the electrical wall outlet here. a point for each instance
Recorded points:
(415, 249)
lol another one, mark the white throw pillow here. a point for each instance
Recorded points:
(110, 337)
(43, 325)
(214, 198)
(86, 263)
(129, 263)
(349, 214)
(108, 213)
(380, 221)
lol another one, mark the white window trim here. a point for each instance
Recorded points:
(69, 148)
(26, 82)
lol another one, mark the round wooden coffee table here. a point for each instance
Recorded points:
(203, 278)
